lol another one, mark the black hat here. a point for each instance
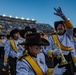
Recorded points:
(13, 32)
(74, 30)
(58, 22)
(27, 28)
(34, 30)
(22, 32)
(35, 39)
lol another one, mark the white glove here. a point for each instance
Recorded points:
(5, 63)
(56, 52)
(58, 71)
(58, 12)
(75, 64)
(74, 73)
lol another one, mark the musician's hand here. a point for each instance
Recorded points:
(74, 73)
(75, 64)
(5, 64)
(58, 12)
(56, 52)
(59, 71)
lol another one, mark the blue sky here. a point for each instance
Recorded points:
(40, 10)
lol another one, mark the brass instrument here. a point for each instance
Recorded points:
(1, 28)
(63, 60)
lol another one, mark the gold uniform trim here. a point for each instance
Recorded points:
(68, 25)
(55, 38)
(74, 59)
(50, 53)
(34, 65)
(13, 45)
(5, 59)
(50, 71)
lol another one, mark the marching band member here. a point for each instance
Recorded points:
(11, 50)
(63, 38)
(73, 40)
(2, 43)
(69, 28)
(25, 31)
(33, 63)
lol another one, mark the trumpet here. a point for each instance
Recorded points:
(63, 60)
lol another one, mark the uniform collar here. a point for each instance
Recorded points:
(32, 54)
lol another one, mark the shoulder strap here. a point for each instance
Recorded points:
(13, 45)
(34, 65)
(55, 38)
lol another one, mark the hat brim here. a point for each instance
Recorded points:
(43, 42)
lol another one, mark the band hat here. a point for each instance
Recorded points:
(22, 32)
(58, 22)
(13, 32)
(27, 28)
(35, 39)
(74, 30)
(34, 30)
